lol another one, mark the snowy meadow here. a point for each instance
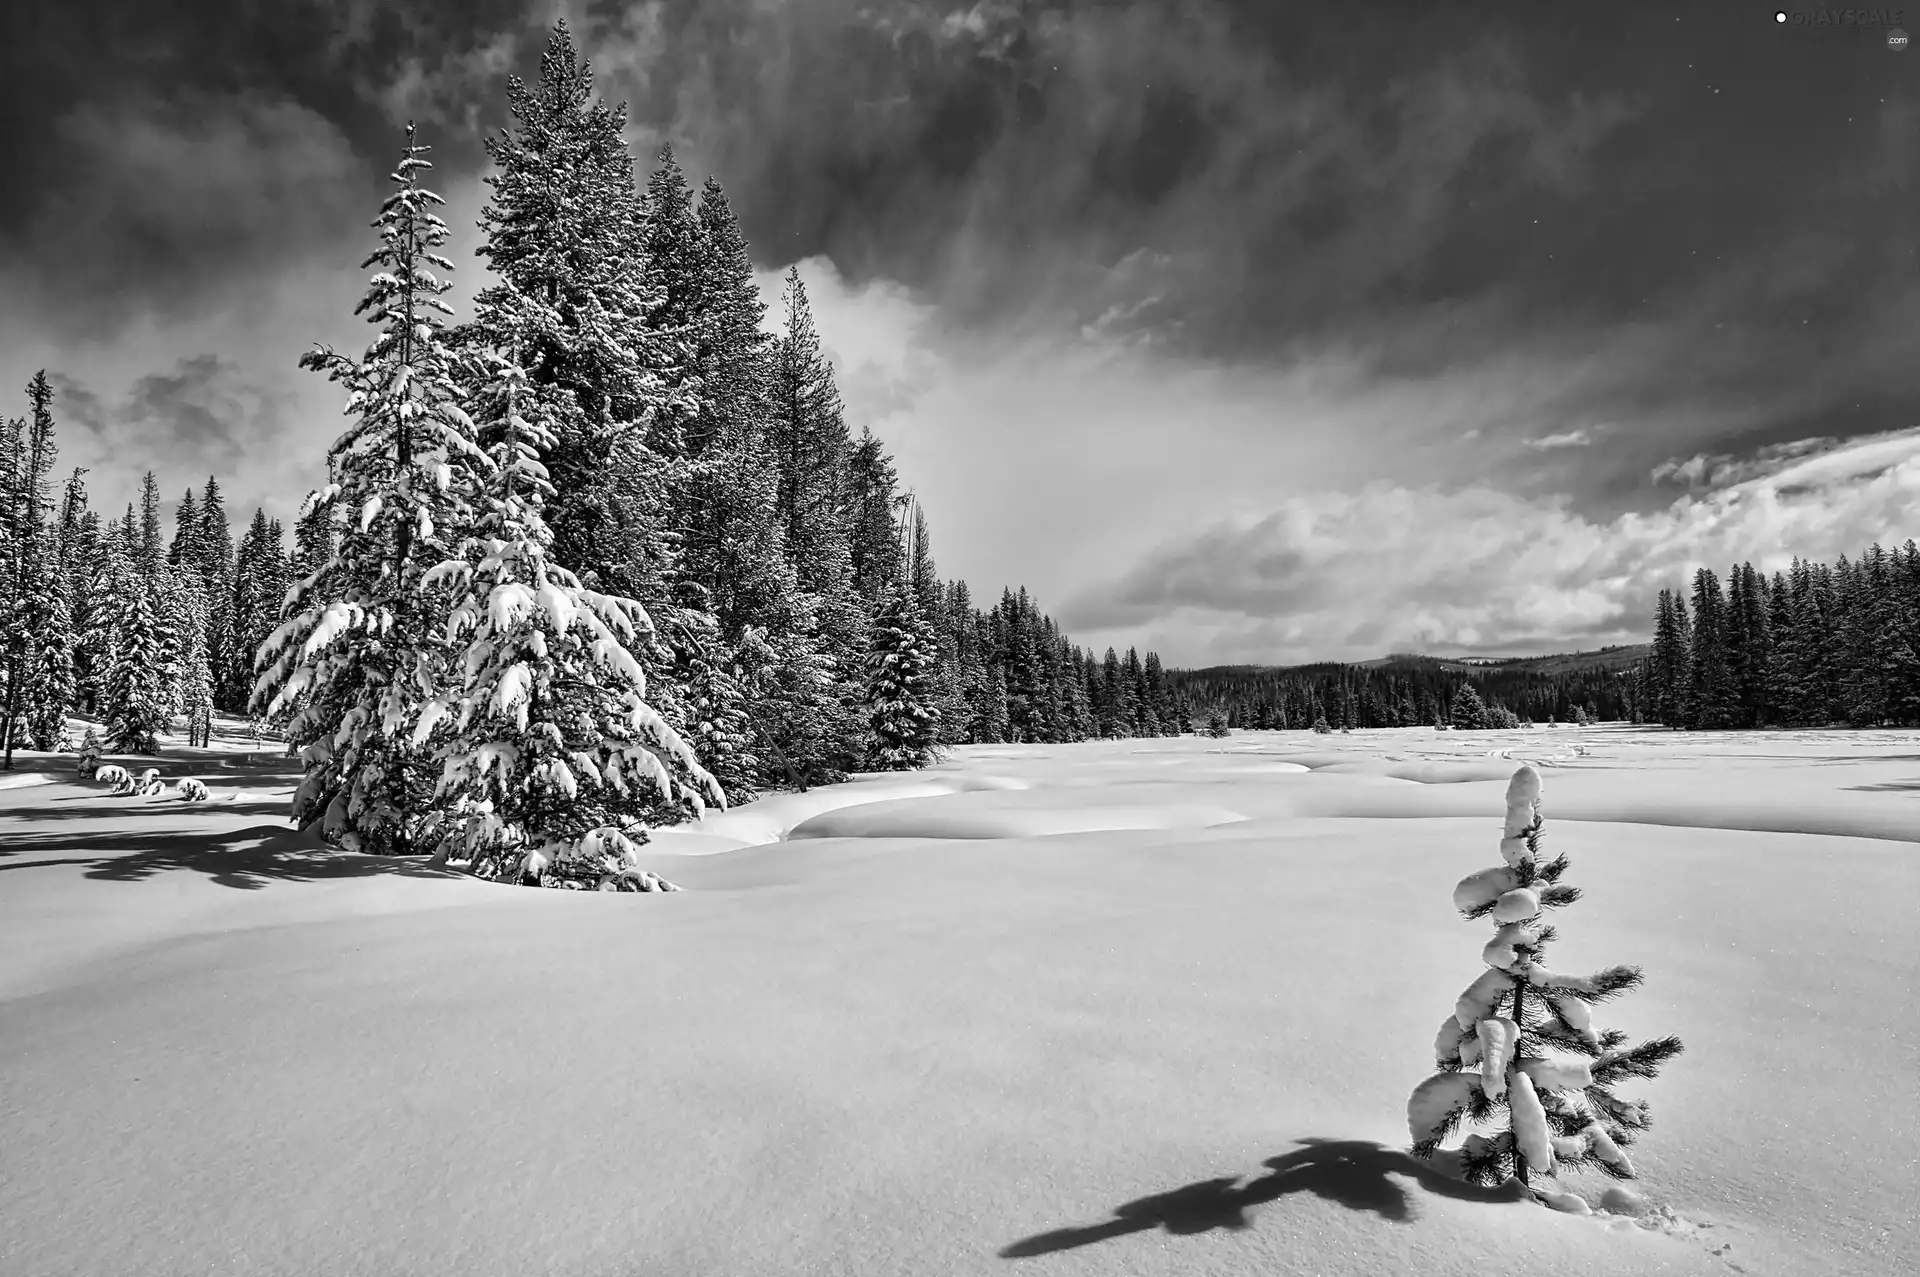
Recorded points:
(1141, 1006)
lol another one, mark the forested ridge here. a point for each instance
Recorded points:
(1406, 691)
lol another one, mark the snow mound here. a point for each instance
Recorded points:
(1032, 814)
(23, 779)
(678, 840)
(1258, 769)
(1421, 773)
(769, 819)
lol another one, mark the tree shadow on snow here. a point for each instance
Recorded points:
(1356, 1174)
(231, 793)
(245, 859)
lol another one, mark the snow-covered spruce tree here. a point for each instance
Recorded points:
(78, 551)
(1469, 712)
(191, 621)
(134, 699)
(176, 612)
(1493, 1052)
(565, 225)
(254, 607)
(361, 648)
(609, 365)
(551, 752)
(27, 454)
(719, 724)
(53, 684)
(809, 444)
(102, 606)
(216, 567)
(930, 595)
(994, 722)
(148, 542)
(733, 561)
(901, 709)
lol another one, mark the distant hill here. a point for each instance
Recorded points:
(1618, 657)
(1613, 659)
(1406, 687)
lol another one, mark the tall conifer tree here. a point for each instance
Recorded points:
(903, 709)
(808, 443)
(134, 698)
(550, 749)
(27, 557)
(1711, 680)
(360, 650)
(564, 226)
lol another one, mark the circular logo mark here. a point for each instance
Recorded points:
(1896, 39)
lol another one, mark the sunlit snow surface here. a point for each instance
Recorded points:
(1120, 1008)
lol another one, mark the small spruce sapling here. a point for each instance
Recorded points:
(89, 760)
(1493, 1052)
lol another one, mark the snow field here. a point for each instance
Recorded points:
(878, 1046)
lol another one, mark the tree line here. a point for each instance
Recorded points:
(1815, 645)
(1405, 692)
(112, 618)
(607, 545)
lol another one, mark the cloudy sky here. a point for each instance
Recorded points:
(1238, 329)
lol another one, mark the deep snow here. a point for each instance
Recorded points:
(1122, 1007)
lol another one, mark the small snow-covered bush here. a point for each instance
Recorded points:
(1322, 726)
(88, 764)
(1493, 1052)
(117, 776)
(190, 790)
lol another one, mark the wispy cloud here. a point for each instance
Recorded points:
(1390, 567)
(203, 416)
(1785, 462)
(1580, 438)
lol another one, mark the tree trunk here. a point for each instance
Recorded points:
(1519, 1156)
(13, 710)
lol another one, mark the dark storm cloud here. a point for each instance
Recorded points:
(171, 200)
(1224, 176)
(1103, 157)
(164, 158)
(1247, 180)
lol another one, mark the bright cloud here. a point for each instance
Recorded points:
(1354, 574)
